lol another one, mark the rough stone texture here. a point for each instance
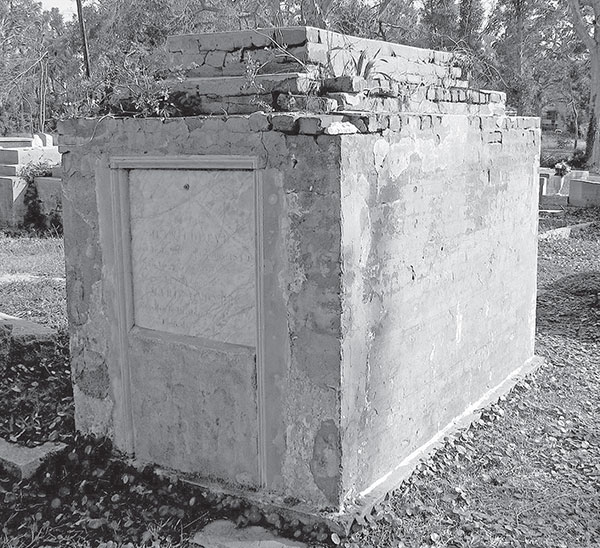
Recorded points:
(194, 406)
(226, 53)
(301, 243)
(397, 289)
(224, 534)
(23, 341)
(297, 304)
(308, 69)
(23, 462)
(49, 194)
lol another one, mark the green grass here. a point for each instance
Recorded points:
(32, 284)
(42, 301)
(35, 256)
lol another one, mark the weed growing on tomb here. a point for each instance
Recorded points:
(251, 71)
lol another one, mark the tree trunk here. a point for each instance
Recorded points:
(313, 13)
(592, 149)
(589, 34)
(575, 124)
(520, 21)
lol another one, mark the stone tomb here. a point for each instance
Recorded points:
(584, 192)
(297, 305)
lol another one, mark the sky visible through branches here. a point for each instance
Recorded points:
(66, 7)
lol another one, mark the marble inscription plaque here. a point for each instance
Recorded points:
(193, 253)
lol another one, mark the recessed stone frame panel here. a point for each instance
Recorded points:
(200, 180)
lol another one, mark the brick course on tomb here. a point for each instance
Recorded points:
(303, 68)
(298, 303)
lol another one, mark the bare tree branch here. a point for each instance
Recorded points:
(581, 27)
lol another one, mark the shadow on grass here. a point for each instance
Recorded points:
(570, 307)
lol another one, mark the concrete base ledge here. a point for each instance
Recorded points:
(338, 523)
(22, 341)
(225, 534)
(342, 522)
(563, 232)
(369, 498)
(554, 200)
(23, 462)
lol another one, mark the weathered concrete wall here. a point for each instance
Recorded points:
(439, 225)
(301, 293)
(396, 282)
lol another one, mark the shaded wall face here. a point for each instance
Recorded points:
(254, 404)
(439, 224)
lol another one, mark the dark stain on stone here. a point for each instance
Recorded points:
(93, 381)
(77, 304)
(325, 464)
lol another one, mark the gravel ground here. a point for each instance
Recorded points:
(565, 216)
(527, 474)
(32, 279)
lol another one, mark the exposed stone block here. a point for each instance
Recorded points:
(286, 123)
(215, 59)
(259, 121)
(340, 128)
(289, 102)
(230, 86)
(23, 462)
(26, 342)
(225, 534)
(314, 125)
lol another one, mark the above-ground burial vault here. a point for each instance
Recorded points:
(297, 287)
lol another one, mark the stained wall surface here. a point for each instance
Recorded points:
(439, 236)
(209, 403)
